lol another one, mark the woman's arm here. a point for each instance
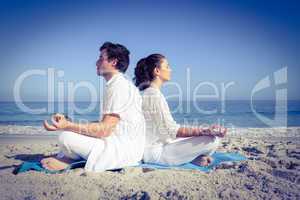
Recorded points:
(214, 130)
(159, 108)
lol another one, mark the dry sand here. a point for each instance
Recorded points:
(272, 172)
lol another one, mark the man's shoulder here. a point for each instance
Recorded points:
(124, 86)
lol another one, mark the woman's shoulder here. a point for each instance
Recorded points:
(151, 92)
(154, 98)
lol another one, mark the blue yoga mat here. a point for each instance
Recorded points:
(218, 157)
(37, 166)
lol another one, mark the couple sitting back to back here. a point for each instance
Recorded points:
(132, 127)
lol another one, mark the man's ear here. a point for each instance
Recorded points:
(114, 62)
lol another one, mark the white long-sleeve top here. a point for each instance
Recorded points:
(161, 128)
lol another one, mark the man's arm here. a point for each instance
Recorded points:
(100, 129)
(104, 128)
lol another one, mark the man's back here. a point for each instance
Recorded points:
(125, 146)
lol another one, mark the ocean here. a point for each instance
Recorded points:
(233, 113)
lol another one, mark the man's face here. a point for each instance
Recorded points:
(104, 66)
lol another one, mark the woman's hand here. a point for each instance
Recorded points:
(59, 122)
(216, 130)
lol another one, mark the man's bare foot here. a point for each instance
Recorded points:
(53, 163)
(203, 160)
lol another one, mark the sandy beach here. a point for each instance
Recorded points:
(272, 171)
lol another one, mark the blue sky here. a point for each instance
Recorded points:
(219, 41)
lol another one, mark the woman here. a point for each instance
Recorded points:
(166, 141)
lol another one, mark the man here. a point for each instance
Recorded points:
(117, 140)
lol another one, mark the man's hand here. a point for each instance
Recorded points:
(59, 122)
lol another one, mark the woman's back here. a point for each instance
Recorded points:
(160, 125)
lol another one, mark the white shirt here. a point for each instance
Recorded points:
(161, 128)
(125, 146)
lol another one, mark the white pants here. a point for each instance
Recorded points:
(181, 150)
(76, 146)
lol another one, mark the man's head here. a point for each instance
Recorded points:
(112, 57)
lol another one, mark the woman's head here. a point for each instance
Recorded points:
(153, 67)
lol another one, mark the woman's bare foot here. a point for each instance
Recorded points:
(203, 160)
(54, 163)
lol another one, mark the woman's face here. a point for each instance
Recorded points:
(164, 71)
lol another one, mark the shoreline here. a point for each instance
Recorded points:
(17, 138)
(235, 131)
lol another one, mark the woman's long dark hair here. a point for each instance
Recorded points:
(144, 70)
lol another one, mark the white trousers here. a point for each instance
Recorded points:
(76, 146)
(181, 150)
